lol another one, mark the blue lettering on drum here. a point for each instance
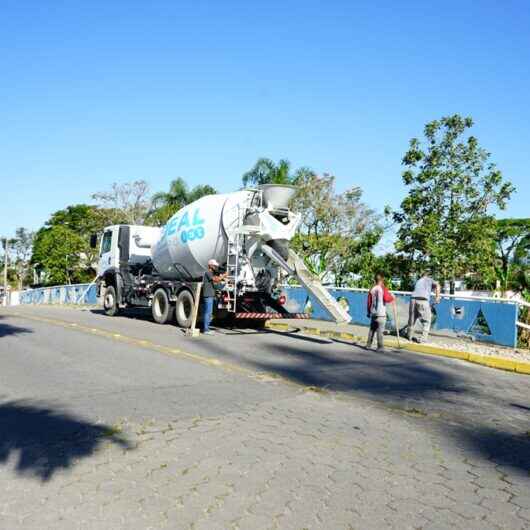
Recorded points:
(197, 218)
(192, 234)
(186, 231)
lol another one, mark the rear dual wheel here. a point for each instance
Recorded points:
(162, 309)
(184, 309)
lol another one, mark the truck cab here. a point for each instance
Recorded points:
(125, 245)
(108, 250)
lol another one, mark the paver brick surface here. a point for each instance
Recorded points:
(286, 457)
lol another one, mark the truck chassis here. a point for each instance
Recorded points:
(174, 300)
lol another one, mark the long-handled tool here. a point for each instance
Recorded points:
(394, 305)
(192, 331)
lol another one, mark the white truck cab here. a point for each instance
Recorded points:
(122, 244)
(108, 250)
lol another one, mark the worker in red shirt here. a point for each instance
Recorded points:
(378, 297)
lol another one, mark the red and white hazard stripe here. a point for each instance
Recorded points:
(268, 316)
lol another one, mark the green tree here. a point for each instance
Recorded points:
(445, 219)
(512, 245)
(12, 279)
(59, 251)
(85, 220)
(265, 171)
(397, 268)
(338, 231)
(165, 204)
(21, 255)
(79, 221)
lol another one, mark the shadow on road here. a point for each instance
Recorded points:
(506, 449)
(375, 375)
(8, 329)
(46, 440)
(432, 391)
(138, 313)
(483, 411)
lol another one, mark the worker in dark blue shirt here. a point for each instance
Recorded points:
(210, 278)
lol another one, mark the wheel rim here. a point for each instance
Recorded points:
(109, 300)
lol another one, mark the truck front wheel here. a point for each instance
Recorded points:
(110, 301)
(162, 308)
(184, 309)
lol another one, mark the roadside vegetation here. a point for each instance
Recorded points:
(449, 220)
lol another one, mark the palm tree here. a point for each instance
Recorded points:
(175, 198)
(165, 204)
(266, 171)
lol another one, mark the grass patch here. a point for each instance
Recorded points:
(413, 411)
(112, 430)
(315, 389)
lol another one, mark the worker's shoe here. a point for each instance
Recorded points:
(380, 350)
(209, 332)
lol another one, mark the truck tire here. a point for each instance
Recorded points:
(110, 301)
(184, 309)
(161, 307)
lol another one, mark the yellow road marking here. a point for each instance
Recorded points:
(491, 361)
(499, 363)
(170, 352)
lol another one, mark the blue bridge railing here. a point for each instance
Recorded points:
(485, 320)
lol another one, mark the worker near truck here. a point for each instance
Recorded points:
(210, 278)
(420, 305)
(378, 297)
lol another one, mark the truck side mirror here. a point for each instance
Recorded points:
(93, 240)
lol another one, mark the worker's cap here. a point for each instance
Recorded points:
(213, 263)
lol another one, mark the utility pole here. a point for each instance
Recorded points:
(5, 271)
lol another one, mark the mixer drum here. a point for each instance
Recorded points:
(197, 233)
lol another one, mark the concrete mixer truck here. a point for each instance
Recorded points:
(247, 232)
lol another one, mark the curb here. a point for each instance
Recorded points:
(499, 363)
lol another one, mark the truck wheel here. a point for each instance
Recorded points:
(110, 301)
(162, 309)
(184, 309)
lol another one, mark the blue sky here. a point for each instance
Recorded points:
(97, 92)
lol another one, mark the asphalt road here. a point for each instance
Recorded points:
(119, 422)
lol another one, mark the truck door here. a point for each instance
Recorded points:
(108, 254)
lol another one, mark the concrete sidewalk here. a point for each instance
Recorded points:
(514, 360)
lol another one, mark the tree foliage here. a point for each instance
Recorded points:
(165, 204)
(265, 171)
(21, 248)
(338, 231)
(12, 279)
(512, 246)
(445, 220)
(129, 198)
(69, 231)
(59, 252)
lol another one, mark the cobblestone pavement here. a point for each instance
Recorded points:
(88, 440)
